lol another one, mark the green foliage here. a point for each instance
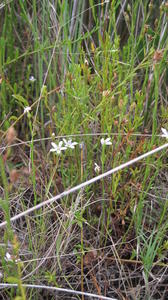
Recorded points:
(97, 68)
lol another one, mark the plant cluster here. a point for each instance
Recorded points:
(83, 95)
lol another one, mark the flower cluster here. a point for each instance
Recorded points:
(69, 143)
(27, 109)
(65, 144)
(106, 142)
(62, 145)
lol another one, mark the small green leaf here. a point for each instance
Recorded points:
(21, 99)
(12, 279)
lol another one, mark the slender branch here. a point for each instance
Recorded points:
(79, 135)
(53, 288)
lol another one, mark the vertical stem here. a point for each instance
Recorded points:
(103, 191)
(5, 203)
(103, 161)
(82, 272)
(20, 286)
(32, 162)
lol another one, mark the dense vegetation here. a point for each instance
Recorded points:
(83, 89)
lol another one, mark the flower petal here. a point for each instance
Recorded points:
(102, 141)
(53, 150)
(60, 143)
(108, 139)
(65, 141)
(54, 145)
(62, 148)
(165, 132)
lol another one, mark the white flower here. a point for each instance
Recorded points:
(69, 143)
(8, 257)
(27, 109)
(53, 134)
(57, 148)
(106, 141)
(32, 79)
(97, 168)
(165, 133)
(86, 62)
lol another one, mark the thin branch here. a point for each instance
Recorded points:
(79, 135)
(53, 288)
